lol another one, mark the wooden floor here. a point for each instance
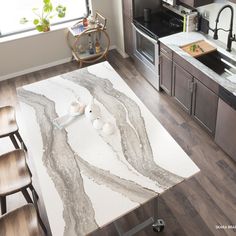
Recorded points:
(194, 207)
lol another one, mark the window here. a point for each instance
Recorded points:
(13, 10)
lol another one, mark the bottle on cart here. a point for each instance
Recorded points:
(85, 21)
(91, 49)
(97, 46)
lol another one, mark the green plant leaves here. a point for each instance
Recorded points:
(36, 21)
(61, 11)
(42, 20)
(47, 1)
(48, 7)
(39, 28)
(61, 14)
(45, 22)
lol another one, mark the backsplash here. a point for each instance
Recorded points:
(224, 21)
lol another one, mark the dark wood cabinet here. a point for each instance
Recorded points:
(166, 74)
(196, 3)
(128, 31)
(204, 106)
(182, 87)
(194, 91)
(195, 98)
(166, 70)
(225, 135)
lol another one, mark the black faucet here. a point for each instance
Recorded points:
(231, 38)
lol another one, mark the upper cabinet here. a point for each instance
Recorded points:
(197, 3)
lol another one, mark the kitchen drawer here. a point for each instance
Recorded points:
(208, 82)
(166, 51)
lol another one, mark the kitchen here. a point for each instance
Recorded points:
(143, 47)
(208, 198)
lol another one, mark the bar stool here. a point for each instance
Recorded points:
(15, 176)
(9, 127)
(22, 221)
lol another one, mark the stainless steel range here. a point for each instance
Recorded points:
(147, 29)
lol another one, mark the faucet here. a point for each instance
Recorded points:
(231, 38)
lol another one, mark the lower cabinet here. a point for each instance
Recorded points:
(182, 91)
(166, 74)
(204, 106)
(195, 98)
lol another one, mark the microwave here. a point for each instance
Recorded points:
(170, 2)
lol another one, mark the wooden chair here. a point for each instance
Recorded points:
(15, 176)
(9, 127)
(22, 221)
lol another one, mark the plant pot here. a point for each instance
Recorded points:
(46, 29)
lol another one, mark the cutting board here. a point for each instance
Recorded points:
(198, 48)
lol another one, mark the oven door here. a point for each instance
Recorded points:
(146, 56)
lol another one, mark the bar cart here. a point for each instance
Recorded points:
(89, 41)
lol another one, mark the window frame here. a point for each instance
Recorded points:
(58, 23)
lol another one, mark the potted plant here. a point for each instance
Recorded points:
(45, 14)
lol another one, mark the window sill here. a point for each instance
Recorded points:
(35, 32)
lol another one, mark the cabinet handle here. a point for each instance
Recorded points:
(190, 85)
(195, 87)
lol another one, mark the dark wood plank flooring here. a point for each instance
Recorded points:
(194, 207)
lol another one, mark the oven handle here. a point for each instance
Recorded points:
(144, 35)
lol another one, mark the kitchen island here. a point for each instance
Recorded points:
(89, 178)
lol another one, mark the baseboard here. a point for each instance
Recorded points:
(36, 68)
(51, 64)
(123, 54)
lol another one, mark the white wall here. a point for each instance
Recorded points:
(112, 9)
(224, 20)
(43, 50)
(32, 53)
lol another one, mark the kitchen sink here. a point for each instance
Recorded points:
(219, 63)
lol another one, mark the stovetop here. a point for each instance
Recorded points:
(162, 24)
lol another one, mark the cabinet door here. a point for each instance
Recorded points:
(204, 107)
(128, 36)
(196, 3)
(166, 74)
(182, 87)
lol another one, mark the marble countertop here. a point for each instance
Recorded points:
(89, 178)
(175, 41)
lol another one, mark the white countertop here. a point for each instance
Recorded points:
(175, 41)
(88, 178)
